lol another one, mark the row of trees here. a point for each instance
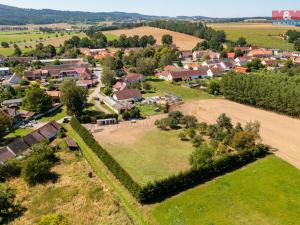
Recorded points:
(294, 37)
(213, 39)
(269, 91)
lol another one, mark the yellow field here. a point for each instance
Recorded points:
(183, 41)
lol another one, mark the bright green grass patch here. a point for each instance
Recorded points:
(19, 133)
(154, 155)
(111, 37)
(55, 116)
(264, 192)
(147, 110)
(267, 37)
(164, 87)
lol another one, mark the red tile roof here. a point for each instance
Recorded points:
(128, 94)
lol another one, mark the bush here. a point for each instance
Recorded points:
(36, 170)
(11, 168)
(7, 205)
(54, 219)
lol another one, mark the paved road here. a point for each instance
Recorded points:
(97, 93)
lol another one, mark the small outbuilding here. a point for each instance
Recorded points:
(72, 145)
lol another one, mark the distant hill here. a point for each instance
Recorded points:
(10, 15)
(18, 16)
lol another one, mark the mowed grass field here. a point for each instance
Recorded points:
(31, 38)
(152, 155)
(265, 192)
(258, 34)
(82, 200)
(183, 41)
(161, 88)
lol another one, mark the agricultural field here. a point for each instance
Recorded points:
(264, 192)
(161, 88)
(282, 135)
(73, 193)
(144, 152)
(183, 41)
(258, 34)
(31, 38)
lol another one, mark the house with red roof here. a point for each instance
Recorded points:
(128, 95)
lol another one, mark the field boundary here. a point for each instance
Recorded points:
(131, 207)
(161, 189)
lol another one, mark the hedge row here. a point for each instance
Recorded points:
(165, 188)
(107, 159)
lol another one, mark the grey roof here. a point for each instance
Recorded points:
(5, 155)
(12, 101)
(18, 146)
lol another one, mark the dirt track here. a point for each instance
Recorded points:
(279, 131)
(183, 41)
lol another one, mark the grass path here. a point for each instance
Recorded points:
(130, 205)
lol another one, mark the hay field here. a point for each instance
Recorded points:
(258, 34)
(82, 200)
(183, 41)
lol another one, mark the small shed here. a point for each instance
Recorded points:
(71, 144)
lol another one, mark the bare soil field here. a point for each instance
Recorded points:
(183, 41)
(279, 131)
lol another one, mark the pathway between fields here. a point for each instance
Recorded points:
(279, 131)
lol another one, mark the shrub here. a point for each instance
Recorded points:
(197, 140)
(35, 170)
(11, 168)
(7, 205)
(202, 157)
(54, 219)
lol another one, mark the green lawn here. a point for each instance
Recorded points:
(31, 38)
(266, 192)
(58, 115)
(147, 110)
(265, 35)
(19, 133)
(155, 155)
(164, 87)
(111, 37)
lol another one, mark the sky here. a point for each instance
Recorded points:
(210, 8)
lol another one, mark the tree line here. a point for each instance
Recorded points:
(293, 36)
(274, 92)
(213, 38)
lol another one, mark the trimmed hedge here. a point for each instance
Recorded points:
(114, 167)
(162, 189)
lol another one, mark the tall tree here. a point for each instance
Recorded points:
(36, 100)
(73, 97)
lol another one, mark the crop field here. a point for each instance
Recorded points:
(258, 34)
(146, 152)
(72, 194)
(265, 192)
(183, 41)
(279, 131)
(30, 39)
